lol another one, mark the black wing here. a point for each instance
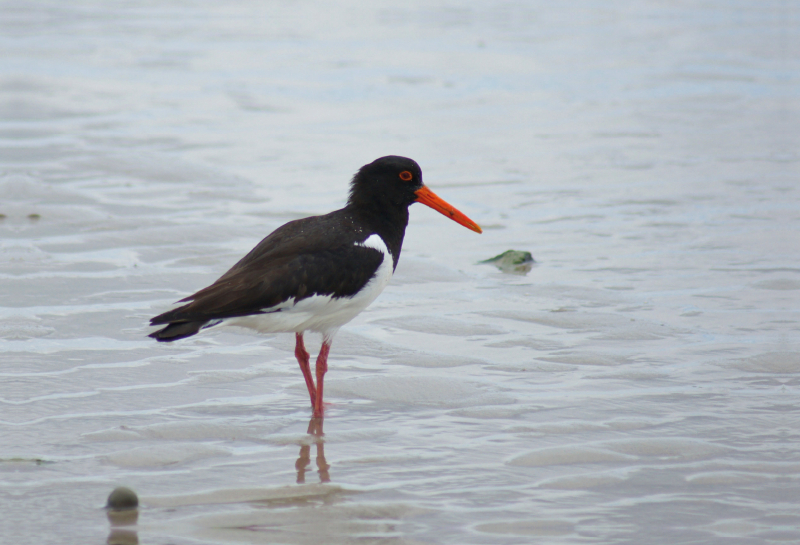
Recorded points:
(316, 255)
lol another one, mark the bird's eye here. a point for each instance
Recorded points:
(406, 176)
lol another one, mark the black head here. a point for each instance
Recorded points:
(390, 181)
(386, 187)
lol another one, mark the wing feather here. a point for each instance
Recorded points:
(302, 258)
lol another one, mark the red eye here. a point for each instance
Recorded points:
(406, 176)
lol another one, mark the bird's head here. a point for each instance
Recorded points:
(394, 181)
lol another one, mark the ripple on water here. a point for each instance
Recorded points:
(438, 325)
(281, 494)
(768, 362)
(669, 449)
(365, 434)
(624, 450)
(222, 376)
(729, 528)
(184, 431)
(569, 455)
(430, 360)
(574, 426)
(726, 478)
(528, 528)
(351, 343)
(15, 329)
(163, 455)
(589, 358)
(583, 481)
(338, 521)
(429, 391)
(611, 326)
(493, 411)
(528, 342)
(415, 271)
(779, 284)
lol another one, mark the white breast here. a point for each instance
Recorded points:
(322, 313)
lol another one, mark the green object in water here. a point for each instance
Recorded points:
(513, 262)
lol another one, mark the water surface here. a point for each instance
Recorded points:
(638, 385)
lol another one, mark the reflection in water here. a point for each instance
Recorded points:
(122, 517)
(304, 459)
(122, 537)
(122, 506)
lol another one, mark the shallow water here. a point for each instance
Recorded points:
(638, 385)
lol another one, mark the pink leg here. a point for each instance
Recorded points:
(322, 368)
(303, 359)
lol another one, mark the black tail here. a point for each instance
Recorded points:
(177, 330)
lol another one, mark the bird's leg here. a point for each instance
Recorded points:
(303, 358)
(322, 367)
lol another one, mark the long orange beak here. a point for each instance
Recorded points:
(429, 198)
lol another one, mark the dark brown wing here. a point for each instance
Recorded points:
(316, 255)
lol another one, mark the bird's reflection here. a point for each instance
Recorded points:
(304, 460)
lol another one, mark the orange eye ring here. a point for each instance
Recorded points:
(406, 176)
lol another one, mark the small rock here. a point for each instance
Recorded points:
(122, 498)
(122, 509)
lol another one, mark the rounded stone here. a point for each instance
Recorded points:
(122, 498)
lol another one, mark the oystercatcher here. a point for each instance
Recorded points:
(316, 273)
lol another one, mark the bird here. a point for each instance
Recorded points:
(316, 273)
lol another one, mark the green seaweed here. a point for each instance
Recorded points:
(512, 262)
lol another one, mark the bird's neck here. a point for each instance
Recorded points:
(389, 223)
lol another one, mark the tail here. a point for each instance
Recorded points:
(178, 330)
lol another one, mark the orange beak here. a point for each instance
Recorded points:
(429, 198)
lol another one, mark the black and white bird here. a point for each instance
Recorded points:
(317, 273)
